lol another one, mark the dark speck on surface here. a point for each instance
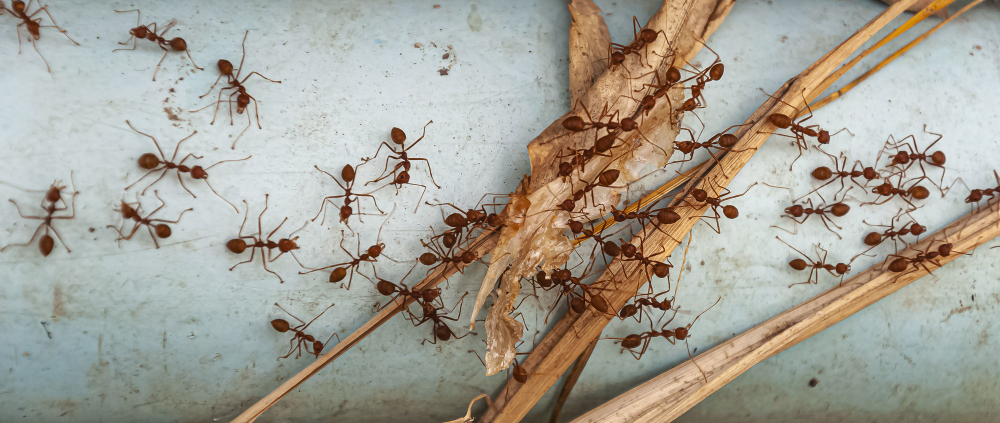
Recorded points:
(443, 71)
(813, 382)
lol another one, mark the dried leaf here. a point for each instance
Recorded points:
(588, 47)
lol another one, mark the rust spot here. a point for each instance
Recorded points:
(813, 382)
(443, 71)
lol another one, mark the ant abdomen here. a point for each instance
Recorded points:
(780, 120)
(178, 44)
(338, 274)
(225, 67)
(149, 161)
(397, 135)
(236, 245)
(280, 325)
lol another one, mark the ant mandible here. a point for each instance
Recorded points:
(145, 32)
(242, 97)
(152, 163)
(21, 11)
(53, 196)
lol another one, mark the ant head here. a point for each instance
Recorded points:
(345, 213)
(376, 250)
(672, 75)
(225, 67)
(730, 211)
(468, 257)
(338, 274)
(397, 135)
(883, 189)
(427, 259)
(648, 35)
(162, 230)
(842, 268)
(780, 120)
(385, 287)
(565, 169)
(628, 311)
(632, 341)
(139, 31)
(628, 250)
(898, 265)
(661, 270)
(901, 158)
(348, 173)
(938, 158)
(681, 333)
(578, 305)
(149, 161)
(728, 140)
(285, 245)
(456, 220)
(605, 143)
(612, 249)
(716, 71)
(542, 280)
(562, 275)
(442, 332)
(53, 194)
(280, 325)
(567, 205)
(917, 229)
(431, 294)
(449, 239)
(628, 124)
(45, 245)
(236, 245)
(945, 249)
(608, 177)
(402, 178)
(840, 209)
(178, 44)
(685, 147)
(975, 196)
(873, 239)
(798, 264)
(795, 211)
(920, 192)
(573, 123)
(823, 136)
(317, 348)
(198, 172)
(822, 173)
(665, 305)
(648, 102)
(617, 58)
(475, 215)
(667, 217)
(242, 101)
(699, 194)
(870, 173)
(127, 211)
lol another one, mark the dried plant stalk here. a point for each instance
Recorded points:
(557, 350)
(667, 396)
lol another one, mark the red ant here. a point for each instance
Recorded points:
(567, 284)
(440, 331)
(520, 374)
(401, 171)
(639, 306)
(713, 72)
(723, 141)
(904, 159)
(799, 132)
(661, 88)
(838, 269)
(661, 269)
(396, 291)
(840, 173)
(681, 333)
(20, 11)
(976, 195)
(348, 173)
(874, 239)
(444, 255)
(641, 39)
(145, 32)
(658, 217)
(300, 337)
(901, 263)
(838, 209)
(728, 210)
(152, 163)
(53, 196)
(240, 91)
(370, 255)
(888, 190)
(465, 220)
(284, 245)
(605, 179)
(130, 212)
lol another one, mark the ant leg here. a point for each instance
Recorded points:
(258, 74)
(212, 87)
(264, 262)
(181, 180)
(240, 68)
(190, 155)
(253, 252)
(152, 236)
(159, 63)
(431, 172)
(132, 39)
(30, 241)
(22, 214)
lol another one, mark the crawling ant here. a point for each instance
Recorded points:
(568, 284)
(838, 269)
(49, 204)
(901, 263)
(21, 11)
(661, 269)
(401, 171)
(838, 209)
(605, 179)
(469, 219)
(713, 72)
(888, 190)
(439, 255)
(641, 38)
(904, 159)
(728, 210)
(239, 90)
(299, 336)
(440, 331)
(284, 245)
(370, 255)
(661, 88)
(681, 333)
(576, 124)
(723, 141)
(638, 307)
(976, 195)
(348, 174)
(145, 32)
(157, 227)
(840, 173)
(799, 132)
(152, 163)
(400, 290)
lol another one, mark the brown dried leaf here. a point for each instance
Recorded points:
(588, 46)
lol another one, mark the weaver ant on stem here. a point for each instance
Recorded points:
(799, 132)
(874, 239)
(723, 141)
(53, 197)
(299, 336)
(240, 91)
(728, 210)
(22, 12)
(890, 191)
(440, 331)
(157, 227)
(638, 307)
(401, 171)
(284, 245)
(976, 195)
(901, 263)
(837, 270)
(145, 32)
(152, 163)
(641, 38)
(400, 290)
